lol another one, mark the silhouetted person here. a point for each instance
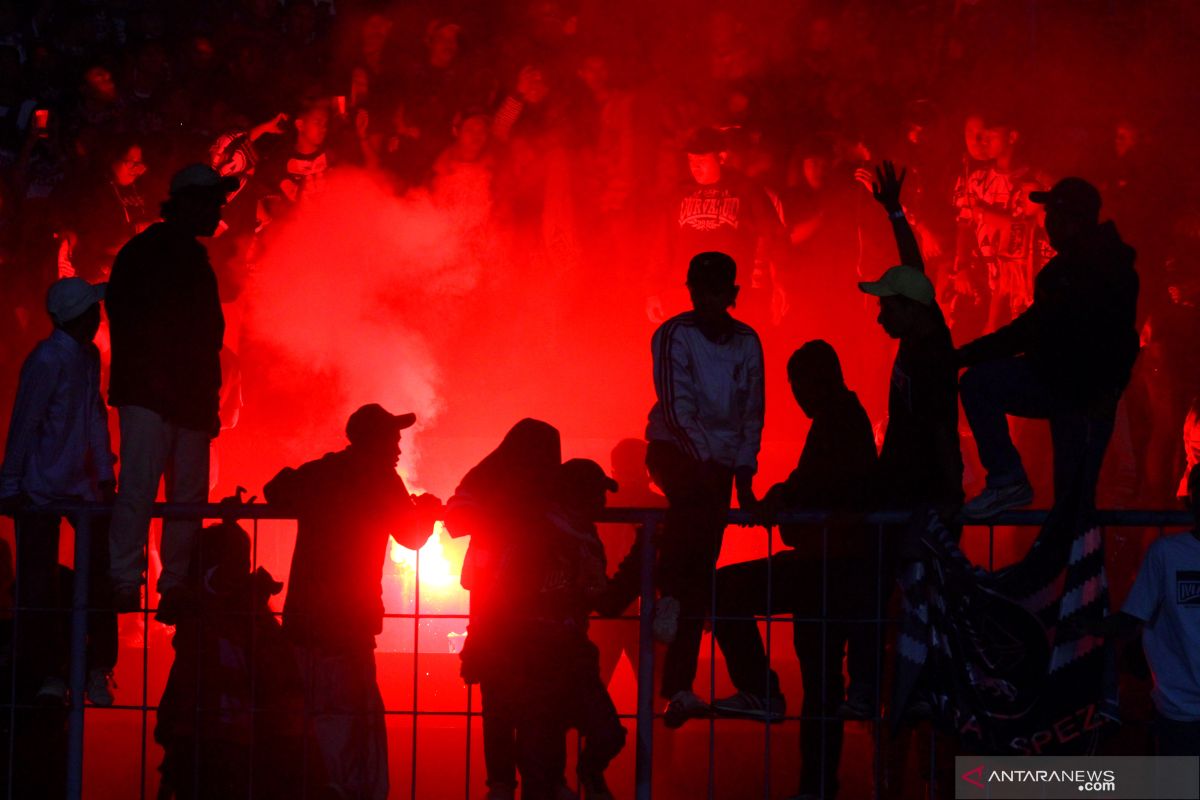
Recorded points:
(704, 433)
(497, 503)
(618, 637)
(58, 451)
(1066, 359)
(166, 325)
(550, 668)
(348, 503)
(1163, 605)
(835, 472)
(227, 720)
(920, 463)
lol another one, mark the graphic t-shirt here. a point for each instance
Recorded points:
(300, 176)
(728, 216)
(1166, 597)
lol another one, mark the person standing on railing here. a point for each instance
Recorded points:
(166, 323)
(1067, 358)
(704, 434)
(58, 451)
(829, 572)
(348, 503)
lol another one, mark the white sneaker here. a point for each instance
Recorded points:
(991, 501)
(53, 692)
(99, 687)
(666, 619)
(685, 705)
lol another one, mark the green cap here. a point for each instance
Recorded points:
(902, 281)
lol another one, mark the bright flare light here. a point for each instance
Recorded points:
(435, 568)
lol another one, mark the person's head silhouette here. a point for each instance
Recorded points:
(711, 282)
(815, 375)
(1072, 212)
(906, 301)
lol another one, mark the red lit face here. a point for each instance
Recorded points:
(998, 142)
(594, 74)
(129, 167)
(313, 127)
(443, 46)
(705, 167)
(100, 82)
(472, 138)
(973, 134)
(1126, 139)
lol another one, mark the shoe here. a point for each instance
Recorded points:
(100, 684)
(127, 599)
(52, 693)
(748, 706)
(993, 500)
(666, 619)
(593, 787)
(685, 705)
(859, 705)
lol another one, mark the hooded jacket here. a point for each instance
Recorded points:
(1080, 334)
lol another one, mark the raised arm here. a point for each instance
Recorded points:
(886, 191)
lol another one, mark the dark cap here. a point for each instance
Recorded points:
(706, 140)
(584, 474)
(712, 270)
(373, 422)
(201, 177)
(1072, 195)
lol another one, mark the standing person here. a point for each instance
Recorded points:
(920, 463)
(720, 210)
(551, 669)
(1164, 605)
(1067, 358)
(497, 502)
(348, 503)
(704, 433)
(166, 326)
(828, 573)
(58, 451)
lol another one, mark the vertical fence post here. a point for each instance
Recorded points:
(644, 766)
(78, 674)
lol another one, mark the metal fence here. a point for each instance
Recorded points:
(646, 521)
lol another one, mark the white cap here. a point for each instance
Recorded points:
(68, 298)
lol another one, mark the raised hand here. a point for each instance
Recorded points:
(886, 186)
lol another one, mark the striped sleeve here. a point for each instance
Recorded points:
(675, 386)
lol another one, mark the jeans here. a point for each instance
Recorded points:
(42, 628)
(996, 389)
(796, 588)
(151, 449)
(698, 497)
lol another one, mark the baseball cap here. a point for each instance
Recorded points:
(706, 140)
(712, 270)
(201, 176)
(70, 297)
(902, 281)
(583, 473)
(372, 421)
(1073, 195)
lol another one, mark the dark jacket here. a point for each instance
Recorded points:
(1080, 334)
(347, 508)
(167, 327)
(835, 472)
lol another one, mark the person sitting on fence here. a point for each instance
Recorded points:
(704, 434)
(58, 451)
(552, 669)
(828, 575)
(230, 720)
(497, 501)
(348, 504)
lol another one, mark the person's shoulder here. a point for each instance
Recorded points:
(1179, 549)
(676, 323)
